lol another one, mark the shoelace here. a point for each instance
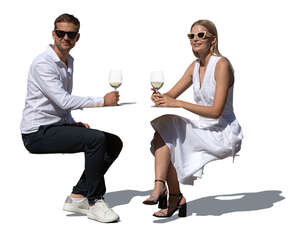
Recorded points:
(107, 209)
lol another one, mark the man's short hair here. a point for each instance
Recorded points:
(67, 18)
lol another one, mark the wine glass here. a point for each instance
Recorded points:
(157, 80)
(115, 78)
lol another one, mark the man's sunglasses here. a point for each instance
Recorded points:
(200, 35)
(61, 34)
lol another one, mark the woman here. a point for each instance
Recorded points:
(182, 147)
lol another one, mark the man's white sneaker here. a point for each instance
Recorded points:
(101, 212)
(81, 206)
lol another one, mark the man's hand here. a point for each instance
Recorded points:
(111, 99)
(82, 124)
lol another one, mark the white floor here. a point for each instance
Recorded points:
(258, 194)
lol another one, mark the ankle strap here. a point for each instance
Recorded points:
(160, 180)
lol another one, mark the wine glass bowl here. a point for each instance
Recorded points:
(156, 80)
(115, 78)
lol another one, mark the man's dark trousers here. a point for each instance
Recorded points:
(100, 149)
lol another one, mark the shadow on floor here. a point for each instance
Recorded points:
(123, 197)
(227, 203)
(212, 205)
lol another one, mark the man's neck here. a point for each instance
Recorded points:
(63, 55)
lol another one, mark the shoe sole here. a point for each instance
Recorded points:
(70, 208)
(149, 202)
(92, 217)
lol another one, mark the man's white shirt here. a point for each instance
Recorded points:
(49, 88)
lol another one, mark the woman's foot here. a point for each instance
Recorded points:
(176, 202)
(159, 194)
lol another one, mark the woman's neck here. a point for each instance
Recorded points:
(204, 58)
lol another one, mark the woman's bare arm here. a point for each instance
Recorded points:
(184, 83)
(224, 79)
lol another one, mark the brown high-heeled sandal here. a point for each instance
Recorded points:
(173, 208)
(162, 198)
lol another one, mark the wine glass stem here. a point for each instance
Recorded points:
(117, 102)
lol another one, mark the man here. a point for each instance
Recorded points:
(48, 127)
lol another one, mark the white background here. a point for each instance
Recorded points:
(261, 38)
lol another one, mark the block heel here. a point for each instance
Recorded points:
(162, 202)
(182, 210)
(171, 209)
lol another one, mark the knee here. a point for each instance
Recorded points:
(158, 141)
(117, 144)
(114, 145)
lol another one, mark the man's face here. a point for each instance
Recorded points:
(63, 41)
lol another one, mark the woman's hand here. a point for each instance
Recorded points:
(154, 96)
(164, 100)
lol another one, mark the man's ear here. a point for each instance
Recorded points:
(53, 35)
(77, 37)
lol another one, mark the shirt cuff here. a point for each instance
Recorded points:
(98, 101)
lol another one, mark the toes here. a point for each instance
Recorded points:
(160, 213)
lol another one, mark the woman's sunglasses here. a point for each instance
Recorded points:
(200, 35)
(61, 34)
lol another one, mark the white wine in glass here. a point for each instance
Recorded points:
(115, 85)
(115, 78)
(157, 80)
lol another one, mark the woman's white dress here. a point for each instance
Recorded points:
(194, 143)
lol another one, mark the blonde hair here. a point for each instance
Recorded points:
(212, 30)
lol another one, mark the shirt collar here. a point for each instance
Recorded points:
(54, 56)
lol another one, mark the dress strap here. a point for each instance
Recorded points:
(196, 72)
